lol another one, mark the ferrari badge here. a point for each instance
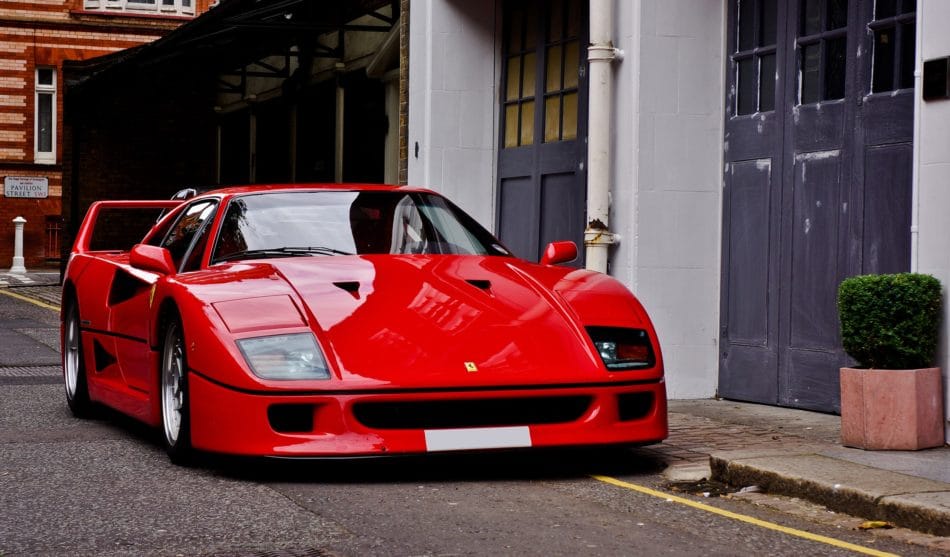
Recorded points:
(471, 367)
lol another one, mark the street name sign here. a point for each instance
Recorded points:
(26, 186)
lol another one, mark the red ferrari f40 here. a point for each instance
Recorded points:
(343, 320)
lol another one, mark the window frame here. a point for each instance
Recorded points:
(821, 39)
(756, 54)
(45, 89)
(560, 39)
(897, 23)
(525, 22)
(212, 203)
(157, 7)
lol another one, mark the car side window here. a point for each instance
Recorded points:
(192, 223)
(409, 232)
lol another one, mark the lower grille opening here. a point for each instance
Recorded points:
(495, 412)
(634, 406)
(291, 418)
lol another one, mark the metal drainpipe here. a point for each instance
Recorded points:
(915, 179)
(600, 54)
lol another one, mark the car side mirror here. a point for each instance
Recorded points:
(559, 252)
(152, 258)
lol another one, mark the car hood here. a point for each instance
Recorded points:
(440, 321)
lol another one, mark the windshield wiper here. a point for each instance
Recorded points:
(282, 252)
(323, 250)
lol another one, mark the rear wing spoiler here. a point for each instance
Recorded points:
(84, 236)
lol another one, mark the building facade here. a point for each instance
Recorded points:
(759, 152)
(36, 36)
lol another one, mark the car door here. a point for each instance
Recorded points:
(131, 294)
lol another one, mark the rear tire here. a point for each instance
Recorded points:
(74, 367)
(176, 421)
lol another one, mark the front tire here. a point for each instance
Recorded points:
(176, 422)
(74, 367)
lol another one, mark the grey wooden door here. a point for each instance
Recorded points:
(541, 176)
(817, 184)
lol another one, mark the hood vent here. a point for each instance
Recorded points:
(480, 284)
(350, 286)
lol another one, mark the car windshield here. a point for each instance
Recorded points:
(307, 223)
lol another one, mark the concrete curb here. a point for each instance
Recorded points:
(917, 503)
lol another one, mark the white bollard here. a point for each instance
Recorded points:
(18, 267)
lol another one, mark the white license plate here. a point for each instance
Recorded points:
(477, 438)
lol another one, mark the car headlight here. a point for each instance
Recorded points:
(623, 349)
(294, 356)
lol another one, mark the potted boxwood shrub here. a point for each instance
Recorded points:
(889, 325)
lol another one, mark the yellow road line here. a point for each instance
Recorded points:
(744, 518)
(7, 292)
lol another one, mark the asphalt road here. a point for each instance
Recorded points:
(105, 487)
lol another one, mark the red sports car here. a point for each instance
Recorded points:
(343, 320)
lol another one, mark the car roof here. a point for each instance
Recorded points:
(274, 188)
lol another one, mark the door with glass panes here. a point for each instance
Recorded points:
(818, 144)
(541, 175)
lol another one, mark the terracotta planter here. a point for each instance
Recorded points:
(885, 409)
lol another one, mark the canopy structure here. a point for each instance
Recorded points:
(241, 33)
(251, 91)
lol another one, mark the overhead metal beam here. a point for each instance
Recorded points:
(282, 26)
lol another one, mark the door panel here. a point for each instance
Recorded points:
(563, 205)
(751, 137)
(748, 204)
(752, 216)
(886, 117)
(129, 321)
(887, 208)
(813, 322)
(519, 227)
(809, 381)
(750, 306)
(817, 127)
(836, 202)
(541, 176)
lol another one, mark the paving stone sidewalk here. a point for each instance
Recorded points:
(37, 278)
(42, 286)
(798, 453)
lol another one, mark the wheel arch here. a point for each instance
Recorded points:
(69, 297)
(167, 310)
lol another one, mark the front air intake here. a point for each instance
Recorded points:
(634, 406)
(493, 412)
(291, 418)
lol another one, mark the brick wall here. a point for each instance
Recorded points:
(35, 212)
(152, 135)
(45, 33)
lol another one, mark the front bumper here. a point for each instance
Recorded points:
(376, 423)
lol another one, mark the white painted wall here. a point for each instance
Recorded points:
(667, 182)
(667, 157)
(452, 102)
(932, 169)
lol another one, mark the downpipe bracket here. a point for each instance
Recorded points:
(604, 53)
(600, 237)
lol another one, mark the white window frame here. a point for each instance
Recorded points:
(175, 7)
(40, 89)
